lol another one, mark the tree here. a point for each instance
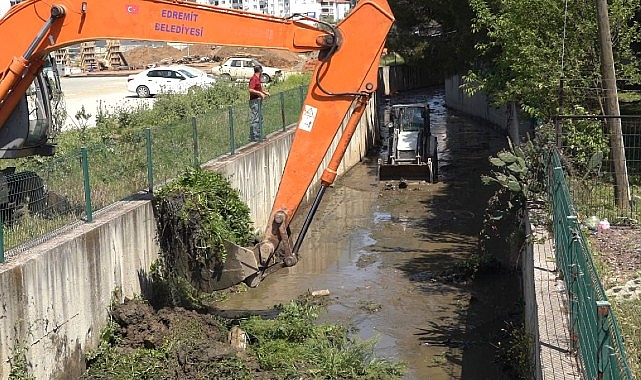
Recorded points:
(545, 54)
(531, 46)
(435, 34)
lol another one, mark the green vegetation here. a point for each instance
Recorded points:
(520, 174)
(195, 215)
(117, 148)
(514, 351)
(434, 34)
(391, 59)
(291, 346)
(202, 205)
(628, 313)
(20, 366)
(294, 346)
(528, 47)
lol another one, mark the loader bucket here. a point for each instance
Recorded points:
(240, 264)
(410, 172)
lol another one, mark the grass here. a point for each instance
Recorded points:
(391, 59)
(630, 102)
(628, 317)
(596, 197)
(117, 149)
(628, 314)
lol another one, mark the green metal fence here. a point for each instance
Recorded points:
(65, 190)
(593, 327)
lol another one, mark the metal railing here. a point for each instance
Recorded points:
(42, 197)
(593, 327)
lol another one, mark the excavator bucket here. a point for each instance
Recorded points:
(409, 172)
(240, 264)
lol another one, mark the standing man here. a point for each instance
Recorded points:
(256, 96)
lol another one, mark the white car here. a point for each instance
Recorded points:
(243, 68)
(168, 79)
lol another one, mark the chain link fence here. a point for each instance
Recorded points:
(51, 193)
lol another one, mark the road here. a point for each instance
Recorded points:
(108, 93)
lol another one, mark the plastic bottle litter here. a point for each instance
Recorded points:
(604, 225)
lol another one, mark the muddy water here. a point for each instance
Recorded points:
(378, 249)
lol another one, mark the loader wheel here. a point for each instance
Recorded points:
(143, 92)
(434, 168)
(434, 156)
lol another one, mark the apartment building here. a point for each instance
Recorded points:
(327, 10)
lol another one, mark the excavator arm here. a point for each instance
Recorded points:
(345, 78)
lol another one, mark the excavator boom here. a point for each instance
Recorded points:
(345, 77)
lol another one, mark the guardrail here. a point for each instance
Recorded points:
(593, 327)
(62, 191)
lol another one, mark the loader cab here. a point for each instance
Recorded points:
(410, 129)
(411, 118)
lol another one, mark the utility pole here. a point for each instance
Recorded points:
(621, 184)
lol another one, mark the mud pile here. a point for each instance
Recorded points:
(143, 56)
(193, 345)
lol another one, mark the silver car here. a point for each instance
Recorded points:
(243, 68)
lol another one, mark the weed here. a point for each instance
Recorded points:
(628, 313)
(195, 215)
(20, 366)
(294, 346)
(513, 350)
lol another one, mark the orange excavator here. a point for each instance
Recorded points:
(345, 78)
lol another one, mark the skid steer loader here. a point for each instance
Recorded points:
(411, 147)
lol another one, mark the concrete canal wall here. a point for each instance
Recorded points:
(55, 295)
(508, 118)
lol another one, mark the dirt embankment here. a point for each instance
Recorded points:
(142, 56)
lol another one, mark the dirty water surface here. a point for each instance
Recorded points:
(381, 251)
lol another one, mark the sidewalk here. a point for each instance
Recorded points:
(555, 355)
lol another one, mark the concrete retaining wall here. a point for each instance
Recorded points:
(530, 309)
(508, 118)
(256, 173)
(403, 78)
(55, 296)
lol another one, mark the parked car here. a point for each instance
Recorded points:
(168, 79)
(243, 68)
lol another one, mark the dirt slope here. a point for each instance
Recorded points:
(142, 56)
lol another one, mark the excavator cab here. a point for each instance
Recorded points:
(28, 129)
(411, 147)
